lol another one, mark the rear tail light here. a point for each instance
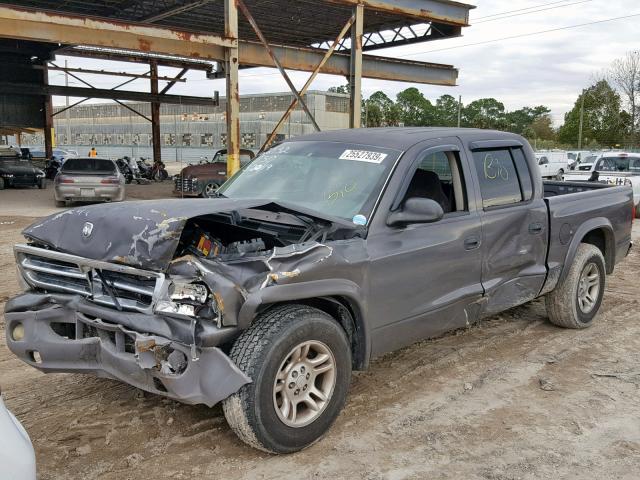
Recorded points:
(63, 179)
(110, 181)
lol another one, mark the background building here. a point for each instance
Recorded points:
(188, 132)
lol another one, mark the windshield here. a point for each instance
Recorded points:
(89, 166)
(334, 179)
(619, 164)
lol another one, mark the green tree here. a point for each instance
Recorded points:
(484, 113)
(446, 111)
(377, 110)
(603, 117)
(519, 121)
(341, 89)
(541, 129)
(415, 109)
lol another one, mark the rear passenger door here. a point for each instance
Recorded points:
(514, 226)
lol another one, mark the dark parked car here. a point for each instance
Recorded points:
(325, 252)
(18, 172)
(203, 179)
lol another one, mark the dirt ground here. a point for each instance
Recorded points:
(511, 398)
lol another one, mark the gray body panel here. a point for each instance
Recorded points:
(389, 286)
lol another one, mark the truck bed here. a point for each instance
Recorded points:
(575, 207)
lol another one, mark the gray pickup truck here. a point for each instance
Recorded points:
(322, 253)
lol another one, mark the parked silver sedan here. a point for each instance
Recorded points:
(87, 179)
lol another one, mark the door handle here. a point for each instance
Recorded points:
(535, 228)
(471, 243)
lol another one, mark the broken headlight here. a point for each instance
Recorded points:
(184, 298)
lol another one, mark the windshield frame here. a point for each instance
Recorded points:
(368, 206)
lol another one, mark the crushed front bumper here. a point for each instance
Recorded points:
(65, 333)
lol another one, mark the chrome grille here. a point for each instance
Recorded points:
(185, 184)
(127, 287)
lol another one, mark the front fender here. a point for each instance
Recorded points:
(305, 291)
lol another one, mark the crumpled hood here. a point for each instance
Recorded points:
(142, 234)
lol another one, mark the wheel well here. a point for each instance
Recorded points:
(348, 316)
(601, 238)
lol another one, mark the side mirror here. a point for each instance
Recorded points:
(416, 210)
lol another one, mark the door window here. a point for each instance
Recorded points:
(439, 177)
(499, 182)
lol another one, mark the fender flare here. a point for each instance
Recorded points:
(307, 291)
(597, 223)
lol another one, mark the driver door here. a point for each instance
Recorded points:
(425, 279)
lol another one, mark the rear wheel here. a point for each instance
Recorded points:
(60, 203)
(576, 301)
(42, 183)
(560, 175)
(299, 361)
(1, 183)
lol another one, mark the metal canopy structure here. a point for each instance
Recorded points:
(318, 36)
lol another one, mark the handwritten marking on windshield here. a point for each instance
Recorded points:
(347, 189)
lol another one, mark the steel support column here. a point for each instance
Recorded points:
(155, 113)
(355, 73)
(48, 118)
(306, 86)
(231, 64)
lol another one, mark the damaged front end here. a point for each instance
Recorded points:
(154, 300)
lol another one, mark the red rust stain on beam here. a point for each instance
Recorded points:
(145, 45)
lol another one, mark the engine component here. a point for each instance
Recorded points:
(250, 246)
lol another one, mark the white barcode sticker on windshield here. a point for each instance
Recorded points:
(363, 156)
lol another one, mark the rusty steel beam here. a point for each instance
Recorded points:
(155, 114)
(106, 72)
(382, 68)
(48, 119)
(177, 78)
(355, 71)
(10, 88)
(445, 11)
(275, 60)
(306, 86)
(28, 24)
(67, 29)
(231, 65)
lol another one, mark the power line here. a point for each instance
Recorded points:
(529, 13)
(530, 34)
(522, 9)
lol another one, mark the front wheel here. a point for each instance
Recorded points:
(209, 190)
(576, 300)
(560, 175)
(299, 361)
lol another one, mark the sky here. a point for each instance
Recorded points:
(540, 69)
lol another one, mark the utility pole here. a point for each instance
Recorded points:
(459, 109)
(581, 122)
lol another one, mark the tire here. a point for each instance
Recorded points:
(42, 184)
(265, 349)
(1, 183)
(560, 175)
(60, 203)
(564, 302)
(208, 190)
